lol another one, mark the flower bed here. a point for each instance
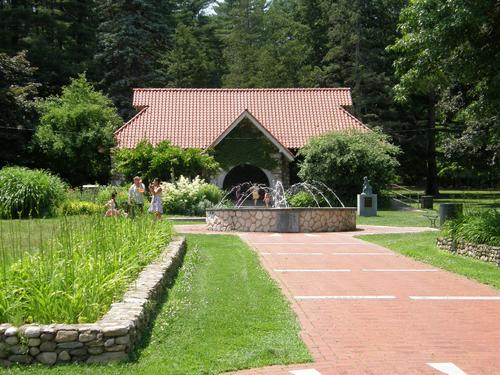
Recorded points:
(110, 339)
(74, 276)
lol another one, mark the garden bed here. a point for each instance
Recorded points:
(111, 338)
(482, 252)
(73, 275)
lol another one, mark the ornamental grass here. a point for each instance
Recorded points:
(72, 270)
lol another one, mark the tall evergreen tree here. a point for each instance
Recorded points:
(17, 92)
(188, 64)
(58, 35)
(194, 60)
(132, 35)
(359, 31)
(285, 53)
(240, 24)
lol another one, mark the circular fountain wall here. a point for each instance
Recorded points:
(259, 219)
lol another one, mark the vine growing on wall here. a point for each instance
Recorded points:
(246, 144)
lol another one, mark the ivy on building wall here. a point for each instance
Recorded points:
(246, 144)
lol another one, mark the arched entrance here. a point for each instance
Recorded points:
(244, 173)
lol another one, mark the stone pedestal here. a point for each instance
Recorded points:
(367, 204)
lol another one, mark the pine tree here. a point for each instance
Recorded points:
(194, 60)
(285, 53)
(187, 64)
(359, 31)
(59, 37)
(132, 35)
(240, 27)
(17, 117)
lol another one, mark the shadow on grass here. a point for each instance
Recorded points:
(148, 329)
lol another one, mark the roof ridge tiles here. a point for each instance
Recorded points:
(242, 89)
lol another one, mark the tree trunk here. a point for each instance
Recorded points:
(432, 179)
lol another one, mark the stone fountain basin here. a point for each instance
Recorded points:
(285, 220)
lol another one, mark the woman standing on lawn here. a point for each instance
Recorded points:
(156, 204)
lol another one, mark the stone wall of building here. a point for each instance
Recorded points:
(281, 219)
(110, 339)
(483, 252)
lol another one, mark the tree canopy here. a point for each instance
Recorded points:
(424, 71)
(163, 161)
(76, 133)
(340, 160)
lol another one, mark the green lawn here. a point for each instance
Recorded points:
(395, 218)
(223, 313)
(484, 198)
(422, 247)
(186, 222)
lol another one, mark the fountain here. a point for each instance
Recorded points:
(244, 215)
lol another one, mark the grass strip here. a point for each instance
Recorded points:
(422, 247)
(395, 219)
(223, 313)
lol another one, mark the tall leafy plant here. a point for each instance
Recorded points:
(25, 192)
(476, 225)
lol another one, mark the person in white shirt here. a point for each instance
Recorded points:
(136, 196)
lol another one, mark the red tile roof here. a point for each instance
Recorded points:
(196, 117)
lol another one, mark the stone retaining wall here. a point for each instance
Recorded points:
(483, 252)
(281, 219)
(110, 339)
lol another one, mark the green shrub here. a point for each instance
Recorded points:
(29, 192)
(84, 267)
(163, 161)
(75, 133)
(478, 225)
(190, 197)
(302, 199)
(75, 207)
(340, 160)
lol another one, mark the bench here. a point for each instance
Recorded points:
(432, 216)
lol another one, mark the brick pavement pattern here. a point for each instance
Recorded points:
(397, 335)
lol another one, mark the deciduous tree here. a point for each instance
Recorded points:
(75, 133)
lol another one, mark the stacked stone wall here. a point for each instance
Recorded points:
(112, 338)
(483, 252)
(268, 220)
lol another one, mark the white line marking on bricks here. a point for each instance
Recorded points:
(305, 372)
(341, 243)
(311, 270)
(265, 253)
(400, 270)
(447, 368)
(275, 235)
(362, 253)
(311, 235)
(343, 297)
(279, 243)
(457, 298)
(299, 253)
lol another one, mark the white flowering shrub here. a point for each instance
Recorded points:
(190, 197)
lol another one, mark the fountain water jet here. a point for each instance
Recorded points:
(280, 217)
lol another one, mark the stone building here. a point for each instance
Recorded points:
(255, 133)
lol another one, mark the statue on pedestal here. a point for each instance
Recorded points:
(367, 188)
(367, 201)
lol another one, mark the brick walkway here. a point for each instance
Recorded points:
(378, 328)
